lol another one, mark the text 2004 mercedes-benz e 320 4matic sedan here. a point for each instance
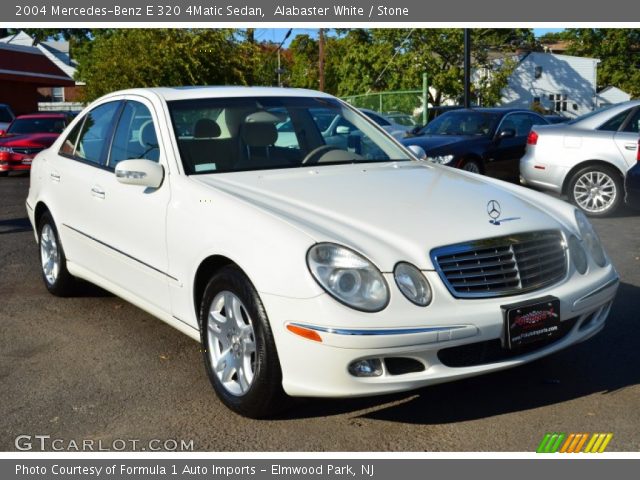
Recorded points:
(309, 266)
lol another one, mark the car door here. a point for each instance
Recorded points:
(626, 138)
(71, 172)
(129, 221)
(509, 150)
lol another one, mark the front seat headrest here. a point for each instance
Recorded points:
(206, 128)
(259, 134)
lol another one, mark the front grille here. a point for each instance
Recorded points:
(502, 265)
(26, 151)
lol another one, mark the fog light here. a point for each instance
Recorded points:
(372, 367)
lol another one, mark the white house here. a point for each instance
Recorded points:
(612, 95)
(560, 83)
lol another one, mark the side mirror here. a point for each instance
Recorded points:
(342, 130)
(506, 133)
(418, 152)
(140, 172)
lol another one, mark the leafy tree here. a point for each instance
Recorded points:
(125, 58)
(618, 50)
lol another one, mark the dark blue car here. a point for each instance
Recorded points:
(490, 141)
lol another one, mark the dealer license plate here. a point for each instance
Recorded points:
(531, 322)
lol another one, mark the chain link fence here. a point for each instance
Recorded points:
(405, 107)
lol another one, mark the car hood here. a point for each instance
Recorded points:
(29, 140)
(434, 142)
(389, 212)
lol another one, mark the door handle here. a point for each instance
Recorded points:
(630, 146)
(55, 176)
(97, 192)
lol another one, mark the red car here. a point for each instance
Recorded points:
(26, 136)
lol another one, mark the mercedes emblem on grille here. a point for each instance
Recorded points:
(494, 210)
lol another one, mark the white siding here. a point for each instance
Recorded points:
(560, 75)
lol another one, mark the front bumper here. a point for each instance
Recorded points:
(15, 162)
(404, 331)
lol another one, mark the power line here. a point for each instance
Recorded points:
(392, 58)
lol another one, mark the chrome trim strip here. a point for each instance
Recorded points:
(28, 206)
(120, 252)
(609, 284)
(397, 331)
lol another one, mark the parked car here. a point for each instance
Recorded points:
(26, 136)
(396, 130)
(400, 118)
(586, 158)
(632, 183)
(6, 116)
(553, 119)
(480, 140)
(311, 270)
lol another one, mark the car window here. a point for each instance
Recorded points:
(37, 125)
(257, 133)
(5, 115)
(614, 123)
(633, 125)
(95, 134)
(69, 144)
(135, 136)
(462, 122)
(521, 123)
(378, 119)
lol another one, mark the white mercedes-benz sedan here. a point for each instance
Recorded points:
(311, 269)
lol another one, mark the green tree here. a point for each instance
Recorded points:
(618, 50)
(126, 58)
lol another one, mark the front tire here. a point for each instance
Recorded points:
(472, 166)
(53, 261)
(596, 190)
(239, 351)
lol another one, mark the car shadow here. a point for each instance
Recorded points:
(602, 365)
(15, 225)
(84, 289)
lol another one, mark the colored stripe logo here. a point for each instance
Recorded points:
(574, 442)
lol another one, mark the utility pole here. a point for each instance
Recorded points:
(321, 60)
(467, 68)
(279, 70)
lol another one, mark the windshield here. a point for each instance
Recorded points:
(258, 133)
(462, 122)
(37, 125)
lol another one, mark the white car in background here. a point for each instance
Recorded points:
(586, 158)
(309, 269)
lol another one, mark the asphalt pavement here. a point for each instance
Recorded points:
(93, 367)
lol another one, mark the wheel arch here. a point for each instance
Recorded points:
(39, 211)
(472, 156)
(588, 163)
(207, 268)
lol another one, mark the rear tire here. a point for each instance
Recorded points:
(240, 355)
(53, 262)
(596, 190)
(4, 174)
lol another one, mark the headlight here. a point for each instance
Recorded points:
(441, 159)
(412, 284)
(578, 255)
(590, 239)
(348, 277)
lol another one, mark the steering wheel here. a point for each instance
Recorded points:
(317, 153)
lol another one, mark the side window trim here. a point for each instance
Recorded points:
(627, 121)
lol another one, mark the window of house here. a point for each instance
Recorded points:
(57, 94)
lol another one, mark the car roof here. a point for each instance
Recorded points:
(196, 92)
(493, 110)
(42, 115)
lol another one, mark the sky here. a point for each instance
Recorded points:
(277, 34)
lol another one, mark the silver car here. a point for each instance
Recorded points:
(585, 159)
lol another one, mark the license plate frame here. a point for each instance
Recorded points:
(534, 321)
